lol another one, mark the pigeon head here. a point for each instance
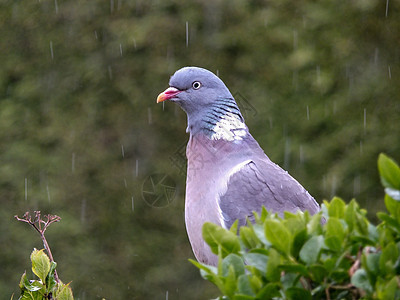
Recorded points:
(204, 97)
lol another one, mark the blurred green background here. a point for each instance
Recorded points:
(81, 134)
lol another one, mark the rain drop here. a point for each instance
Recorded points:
(122, 151)
(390, 72)
(166, 295)
(120, 49)
(187, 34)
(83, 211)
(51, 50)
(125, 183)
(301, 154)
(356, 185)
(324, 183)
(56, 6)
(387, 8)
(111, 6)
(365, 119)
(295, 39)
(134, 43)
(376, 56)
(95, 34)
(109, 72)
(295, 80)
(149, 116)
(333, 186)
(137, 168)
(48, 193)
(318, 71)
(286, 159)
(26, 189)
(133, 204)
(308, 113)
(73, 163)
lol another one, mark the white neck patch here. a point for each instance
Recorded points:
(229, 128)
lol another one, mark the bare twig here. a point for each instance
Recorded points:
(356, 264)
(40, 226)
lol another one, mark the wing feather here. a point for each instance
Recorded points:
(258, 183)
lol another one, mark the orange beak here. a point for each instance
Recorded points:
(169, 93)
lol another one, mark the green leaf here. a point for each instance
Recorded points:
(317, 272)
(210, 273)
(249, 238)
(390, 220)
(340, 275)
(361, 281)
(65, 293)
(294, 223)
(22, 280)
(257, 260)
(294, 268)
(244, 286)
(259, 232)
(234, 227)
(295, 293)
(335, 234)
(278, 235)
(314, 226)
(361, 224)
(389, 172)
(388, 259)
(273, 273)
(31, 286)
(311, 249)
(372, 262)
(298, 241)
(40, 264)
(390, 289)
(242, 297)
(31, 296)
(50, 279)
(350, 214)
(264, 214)
(234, 261)
(230, 282)
(256, 283)
(289, 280)
(269, 291)
(216, 236)
(330, 263)
(336, 208)
(393, 207)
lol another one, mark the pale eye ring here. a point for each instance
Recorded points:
(196, 85)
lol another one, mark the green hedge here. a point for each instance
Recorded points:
(296, 257)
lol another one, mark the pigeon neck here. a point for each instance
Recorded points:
(221, 120)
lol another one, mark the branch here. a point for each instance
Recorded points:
(40, 226)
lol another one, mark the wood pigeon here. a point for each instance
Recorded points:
(228, 174)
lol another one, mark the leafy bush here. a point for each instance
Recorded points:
(296, 257)
(48, 285)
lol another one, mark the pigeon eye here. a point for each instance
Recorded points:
(196, 85)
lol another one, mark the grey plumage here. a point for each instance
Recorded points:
(229, 176)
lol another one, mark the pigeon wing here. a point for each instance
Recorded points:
(258, 183)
